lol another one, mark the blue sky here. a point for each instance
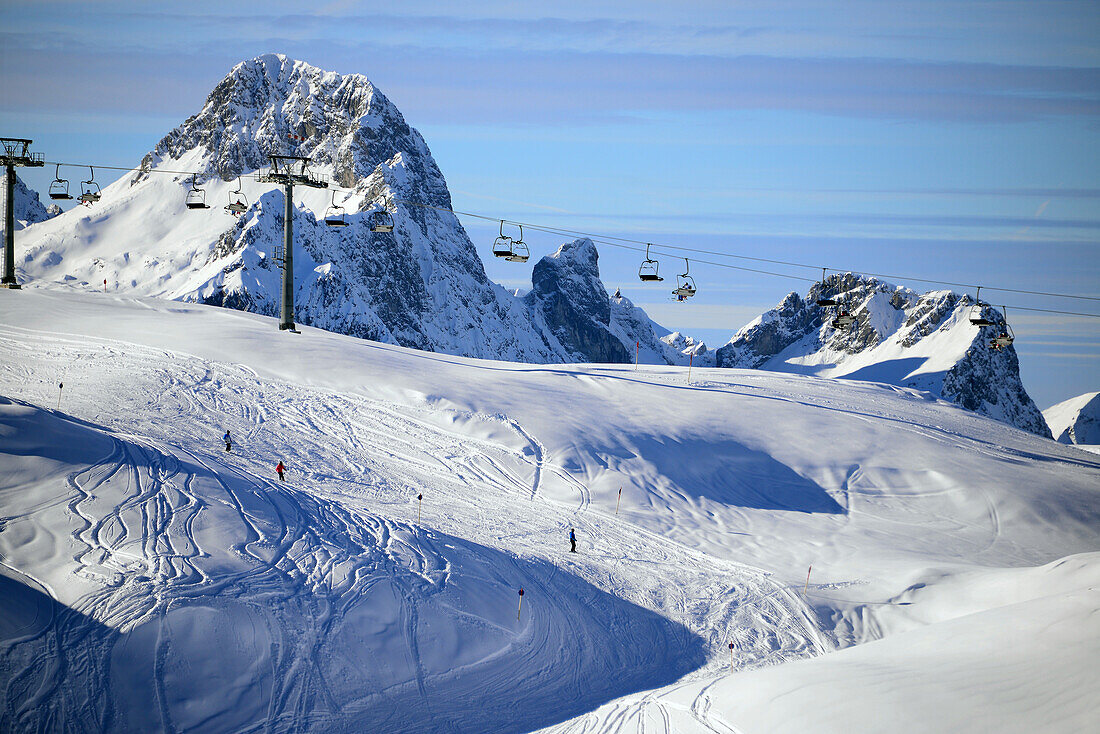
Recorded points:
(943, 140)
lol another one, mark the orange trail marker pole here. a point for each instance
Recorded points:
(419, 504)
(731, 657)
(520, 610)
(807, 586)
(637, 347)
(618, 500)
(104, 285)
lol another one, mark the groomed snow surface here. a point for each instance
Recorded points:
(152, 581)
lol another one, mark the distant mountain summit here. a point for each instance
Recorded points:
(28, 206)
(1076, 420)
(421, 286)
(899, 337)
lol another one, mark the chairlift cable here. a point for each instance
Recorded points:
(614, 241)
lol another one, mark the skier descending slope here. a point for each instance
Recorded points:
(280, 469)
(228, 440)
(572, 541)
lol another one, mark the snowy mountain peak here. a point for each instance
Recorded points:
(28, 207)
(923, 341)
(1076, 420)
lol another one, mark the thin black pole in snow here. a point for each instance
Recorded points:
(731, 657)
(419, 504)
(637, 348)
(618, 500)
(520, 610)
(60, 387)
(691, 358)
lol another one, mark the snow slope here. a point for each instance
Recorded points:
(1076, 420)
(337, 601)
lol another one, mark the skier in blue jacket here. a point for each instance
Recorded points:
(228, 440)
(572, 541)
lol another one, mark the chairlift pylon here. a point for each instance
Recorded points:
(648, 271)
(685, 284)
(59, 188)
(380, 219)
(196, 197)
(89, 190)
(238, 203)
(1006, 337)
(512, 250)
(822, 301)
(977, 316)
(334, 216)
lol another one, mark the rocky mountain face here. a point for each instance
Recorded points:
(422, 286)
(28, 207)
(1076, 420)
(569, 303)
(924, 341)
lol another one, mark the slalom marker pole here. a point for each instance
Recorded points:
(731, 657)
(691, 358)
(419, 504)
(637, 347)
(807, 586)
(60, 387)
(618, 500)
(104, 285)
(520, 610)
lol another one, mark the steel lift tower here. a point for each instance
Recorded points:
(16, 153)
(288, 170)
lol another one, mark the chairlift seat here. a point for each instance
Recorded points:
(381, 221)
(236, 207)
(648, 271)
(335, 221)
(59, 190)
(502, 247)
(827, 302)
(980, 321)
(843, 320)
(89, 197)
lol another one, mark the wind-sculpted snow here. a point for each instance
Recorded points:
(239, 604)
(899, 337)
(155, 577)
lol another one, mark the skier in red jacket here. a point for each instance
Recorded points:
(280, 468)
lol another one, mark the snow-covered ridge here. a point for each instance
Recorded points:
(1076, 420)
(422, 286)
(923, 341)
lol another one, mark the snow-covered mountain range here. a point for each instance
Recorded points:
(424, 285)
(1076, 420)
(421, 286)
(900, 337)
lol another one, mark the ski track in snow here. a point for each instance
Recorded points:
(147, 554)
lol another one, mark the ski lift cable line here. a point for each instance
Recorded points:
(604, 239)
(612, 240)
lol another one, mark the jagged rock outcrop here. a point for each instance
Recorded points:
(1076, 420)
(569, 302)
(899, 337)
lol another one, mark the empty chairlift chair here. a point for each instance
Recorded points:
(196, 197)
(977, 311)
(685, 284)
(380, 219)
(89, 190)
(824, 301)
(334, 216)
(238, 204)
(59, 188)
(512, 250)
(648, 271)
